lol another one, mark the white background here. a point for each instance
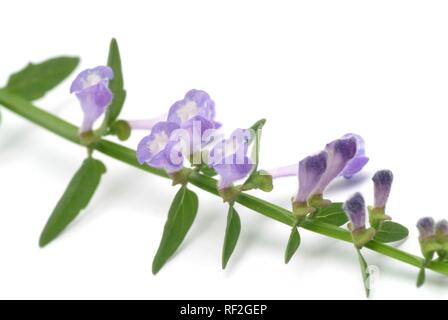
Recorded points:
(314, 69)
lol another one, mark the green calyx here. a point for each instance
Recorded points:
(318, 201)
(259, 180)
(181, 177)
(377, 216)
(121, 129)
(301, 210)
(89, 138)
(230, 194)
(429, 246)
(362, 236)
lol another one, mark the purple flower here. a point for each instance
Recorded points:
(340, 152)
(382, 184)
(160, 150)
(442, 228)
(355, 209)
(310, 171)
(229, 158)
(198, 131)
(196, 103)
(145, 124)
(426, 228)
(358, 162)
(91, 89)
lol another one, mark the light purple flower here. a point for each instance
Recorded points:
(198, 131)
(196, 103)
(355, 209)
(442, 228)
(358, 162)
(229, 158)
(159, 150)
(91, 87)
(310, 171)
(340, 152)
(145, 124)
(382, 181)
(426, 228)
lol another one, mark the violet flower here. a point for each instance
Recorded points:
(159, 150)
(229, 158)
(382, 185)
(352, 167)
(310, 171)
(91, 87)
(145, 124)
(196, 103)
(340, 152)
(426, 228)
(429, 241)
(358, 162)
(355, 209)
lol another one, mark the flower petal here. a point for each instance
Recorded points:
(310, 171)
(91, 77)
(355, 209)
(195, 103)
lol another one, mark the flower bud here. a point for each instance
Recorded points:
(310, 171)
(355, 210)
(382, 185)
(91, 87)
(426, 228)
(428, 241)
(442, 235)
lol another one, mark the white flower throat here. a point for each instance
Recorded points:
(158, 143)
(92, 79)
(187, 111)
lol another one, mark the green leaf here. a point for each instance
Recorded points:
(365, 273)
(75, 198)
(332, 214)
(116, 85)
(421, 278)
(256, 129)
(35, 80)
(182, 213)
(391, 231)
(293, 244)
(233, 230)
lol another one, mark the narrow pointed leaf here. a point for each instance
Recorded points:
(233, 230)
(365, 273)
(293, 244)
(75, 198)
(257, 129)
(35, 80)
(421, 278)
(181, 215)
(116, 85)
(391, 232)
(332, 214)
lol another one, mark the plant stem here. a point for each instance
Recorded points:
(68, 131)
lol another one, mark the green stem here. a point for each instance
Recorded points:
(68, 131)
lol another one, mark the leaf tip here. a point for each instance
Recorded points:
(44, 240)
(156, 267)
